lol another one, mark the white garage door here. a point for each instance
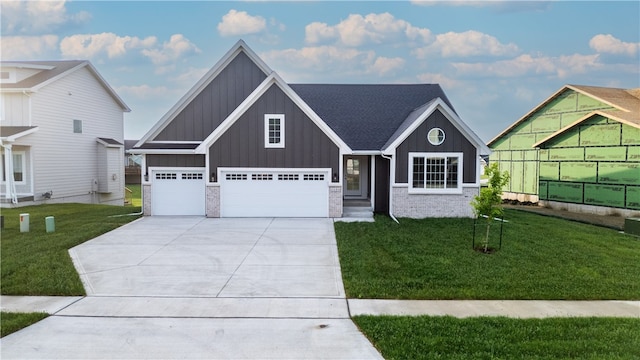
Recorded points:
(274, 193)
(177, 192)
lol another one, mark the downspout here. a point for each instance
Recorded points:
(390, 158)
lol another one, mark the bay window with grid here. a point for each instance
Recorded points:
(435, 173)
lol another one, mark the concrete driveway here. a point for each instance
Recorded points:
(197, 288)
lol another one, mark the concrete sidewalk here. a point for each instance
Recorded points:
(197, 288)
(325, 308)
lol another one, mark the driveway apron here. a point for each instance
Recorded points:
(198, 288)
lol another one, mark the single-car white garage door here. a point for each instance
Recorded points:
(274, 192)
(178, 191)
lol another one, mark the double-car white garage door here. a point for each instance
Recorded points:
(279, 193)
(243, 192)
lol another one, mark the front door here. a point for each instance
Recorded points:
(355, 176)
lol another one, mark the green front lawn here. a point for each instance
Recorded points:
(11, 322)
(541, 258)
(502, 338)
(37, 262)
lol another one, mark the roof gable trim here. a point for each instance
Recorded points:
(429, 108)
(273, 79)
(204, 81)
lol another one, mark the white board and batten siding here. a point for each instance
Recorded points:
(246, 192)
(64, 161)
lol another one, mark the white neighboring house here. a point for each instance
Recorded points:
(61, 133)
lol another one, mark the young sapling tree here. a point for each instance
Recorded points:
(488, 203)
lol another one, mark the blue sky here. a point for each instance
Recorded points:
(495, 60)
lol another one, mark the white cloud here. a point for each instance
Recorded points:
(190, 76)
(321, 57)
(37, 16)
(384, 65)
(92, 45)
(359, 30)
(468, 43)
(27, 47)
(608, 44)
(525, 65)
(171, 50)
(437, 78)
(240, 23)
(144, 92)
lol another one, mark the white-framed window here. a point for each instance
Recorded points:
(274, 130)
(77, 126)
(435, 136)
(435, 173)
(19, 166)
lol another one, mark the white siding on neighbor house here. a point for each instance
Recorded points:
(64, 161)
(110, 163)
(14, 109)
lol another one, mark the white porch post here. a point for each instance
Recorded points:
(10, 184)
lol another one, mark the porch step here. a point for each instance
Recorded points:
(357, 213)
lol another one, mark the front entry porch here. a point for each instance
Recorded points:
(357, 204)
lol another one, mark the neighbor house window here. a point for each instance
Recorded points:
(435, 172)
(274, 130)
(19, 164)
(77, 126)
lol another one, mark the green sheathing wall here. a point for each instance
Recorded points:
(514, 150)
(595, 163)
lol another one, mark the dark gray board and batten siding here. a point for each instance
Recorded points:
(454, 141)
(215, 102)
(306, 145)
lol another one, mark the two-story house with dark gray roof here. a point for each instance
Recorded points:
(244, 143)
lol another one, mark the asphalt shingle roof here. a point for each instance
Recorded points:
(367, 116)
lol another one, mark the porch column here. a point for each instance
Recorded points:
(10, 184)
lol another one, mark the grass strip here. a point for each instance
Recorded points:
(11, 322)
(502, 338)
(37, 262)
(542, 258)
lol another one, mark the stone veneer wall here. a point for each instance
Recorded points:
(146, 198)
(213, 201)
(419, 206)
(335, 201)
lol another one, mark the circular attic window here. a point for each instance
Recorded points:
(435, 136)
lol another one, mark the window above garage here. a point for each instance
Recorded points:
(274, 130)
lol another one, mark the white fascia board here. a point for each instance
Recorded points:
(365, 152)
(15, 137)
(204, 81)
(391, 148)
(482, 148)
(273, 79)
(311, 114)
(25, 66)
(161, 151)
(439, 104)
(235, 115)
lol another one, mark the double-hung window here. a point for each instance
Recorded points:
(435, 173)
(274, 130)
(19, 166)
